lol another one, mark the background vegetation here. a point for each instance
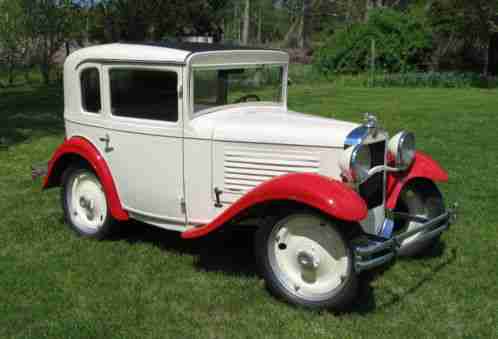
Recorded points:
(337, 36)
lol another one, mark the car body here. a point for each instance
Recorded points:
(153, 133)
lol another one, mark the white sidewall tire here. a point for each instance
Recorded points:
(84, 203)
(322, 290)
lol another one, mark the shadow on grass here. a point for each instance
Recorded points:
(366, 302)
(27, 112)
(229, 251)
(232, 251)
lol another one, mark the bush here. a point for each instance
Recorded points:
(402, 40)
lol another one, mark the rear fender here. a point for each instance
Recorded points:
(423, 167)
(330, 196)
(81, 147)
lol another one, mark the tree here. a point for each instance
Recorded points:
(50, 23)
(14, 42)
(460, 26)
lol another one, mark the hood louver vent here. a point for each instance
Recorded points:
(246, 167)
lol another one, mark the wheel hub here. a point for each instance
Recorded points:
(308, 259)
(88, 205)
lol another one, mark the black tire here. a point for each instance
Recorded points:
(419, 197)
(107, 224)
(338, 299)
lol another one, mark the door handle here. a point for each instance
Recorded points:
(105, 139)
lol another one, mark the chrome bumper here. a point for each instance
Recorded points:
(378, 252)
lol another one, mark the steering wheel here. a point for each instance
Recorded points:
(245, 98)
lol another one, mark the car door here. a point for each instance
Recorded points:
(144, 140)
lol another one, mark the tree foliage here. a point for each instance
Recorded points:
(14, 40)
(396, 40)
(49, 24)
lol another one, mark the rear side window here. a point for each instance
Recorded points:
(144, 94)
(90, 90)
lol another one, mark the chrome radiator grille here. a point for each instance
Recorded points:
(372, 190)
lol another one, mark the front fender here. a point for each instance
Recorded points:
(330, 196)
(81, 147)
(423, 167)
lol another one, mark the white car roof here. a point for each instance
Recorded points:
(168, 53)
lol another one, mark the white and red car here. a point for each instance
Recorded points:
(197, 137)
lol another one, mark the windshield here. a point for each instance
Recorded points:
(215, 87)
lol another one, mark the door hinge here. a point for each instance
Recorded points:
(183, 205)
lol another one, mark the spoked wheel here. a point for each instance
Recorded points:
(84, 203)
(421, 199)
(305, 259)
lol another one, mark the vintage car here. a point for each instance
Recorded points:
(196, 138)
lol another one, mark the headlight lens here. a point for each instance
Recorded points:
(356, 162)
(361, 162)
(402, 149)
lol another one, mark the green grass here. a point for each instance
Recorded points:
(147, 283)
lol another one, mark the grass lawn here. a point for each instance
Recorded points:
(147, 283)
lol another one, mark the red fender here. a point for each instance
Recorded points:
(423, 167)
(83, 148)
(330, 196)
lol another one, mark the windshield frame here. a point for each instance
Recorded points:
(191, 89)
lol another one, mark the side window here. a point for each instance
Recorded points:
(90, 90)
(144, 94)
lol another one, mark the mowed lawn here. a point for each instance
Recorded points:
(147, 283)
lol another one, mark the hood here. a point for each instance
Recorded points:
(274, 126)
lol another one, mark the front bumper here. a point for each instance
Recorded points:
(378, 252)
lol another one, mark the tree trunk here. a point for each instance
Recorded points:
(260, 22)
(306, 25)
(11, 73)
(369, 6)
(245, 28)
(485, 68)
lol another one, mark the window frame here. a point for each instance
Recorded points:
(140, 121)
(101, 98)
(283, 104)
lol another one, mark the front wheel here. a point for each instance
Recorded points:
(306, 260)
(84, 203)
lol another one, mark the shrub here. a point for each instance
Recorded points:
(402, 41)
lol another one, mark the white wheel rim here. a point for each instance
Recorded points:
(86, 202)
(308, 257)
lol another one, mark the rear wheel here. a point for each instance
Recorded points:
(84, 203)
(306, 260)
(421, 199)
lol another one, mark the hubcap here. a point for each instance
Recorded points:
(308, 256)
(86, 202)
(308, 260)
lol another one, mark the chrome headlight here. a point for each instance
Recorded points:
(356, 162)
(402, 150)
